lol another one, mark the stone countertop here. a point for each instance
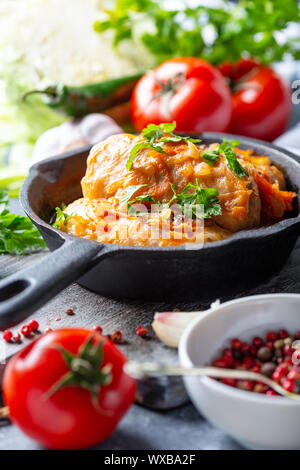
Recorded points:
(180, 428)
(141, 429)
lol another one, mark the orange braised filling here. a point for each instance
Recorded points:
(128, 175)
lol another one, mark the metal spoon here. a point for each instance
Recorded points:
(141, 370)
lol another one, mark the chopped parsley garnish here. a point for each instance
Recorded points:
(18, 235)
(154, 136)
(205, 196)
(210, 156)
(227, 148)
(61, 217)
(129, 192)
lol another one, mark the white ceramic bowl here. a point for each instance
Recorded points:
(256, 421)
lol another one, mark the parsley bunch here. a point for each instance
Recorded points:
(154, 136)
(248, 28)
(18, 235)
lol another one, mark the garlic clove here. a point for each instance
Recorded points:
(169, 326)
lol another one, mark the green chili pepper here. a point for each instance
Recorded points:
(95, 97)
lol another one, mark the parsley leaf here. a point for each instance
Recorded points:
(154, 132)
(140, 199)
(227, 148)
(210, 156)
(61, 217)
(205, 196)
(136, 150)
(18, 235)
(129, 192)
(154, 135)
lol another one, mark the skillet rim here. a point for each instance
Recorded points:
(243, 236)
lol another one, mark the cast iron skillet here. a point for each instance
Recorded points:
(173, 273)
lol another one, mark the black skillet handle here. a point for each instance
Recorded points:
(27, 290)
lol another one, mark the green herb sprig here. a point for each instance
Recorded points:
(129, 192)
(154, 136)
(247, 28)
(226, 147)
(204, 196)
(61, 217)
(18, 235)
(210, 156)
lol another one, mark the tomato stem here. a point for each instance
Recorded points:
(84, 370)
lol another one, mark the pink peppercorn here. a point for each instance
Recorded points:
(288, 384)
(33, 324)
(220, 363)
(257, 342)
(141, 331)
(283, 334)
(116, 337)
(228, 381)
(7, 335)
(97, 329)
(26, 331)
(245, 347)
(271, 336)
(17, 337)
(236, 343)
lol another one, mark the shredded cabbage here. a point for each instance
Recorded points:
(43, 41)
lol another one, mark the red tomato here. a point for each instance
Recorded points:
(261, 100)
(67, 418)
(187, 90)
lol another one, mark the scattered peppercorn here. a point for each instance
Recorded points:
(70, 311)
(17, 337)
(116, 337)
(33, 324)
(141, 331)
(7, 335)
(26, 331)
(97, 329)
